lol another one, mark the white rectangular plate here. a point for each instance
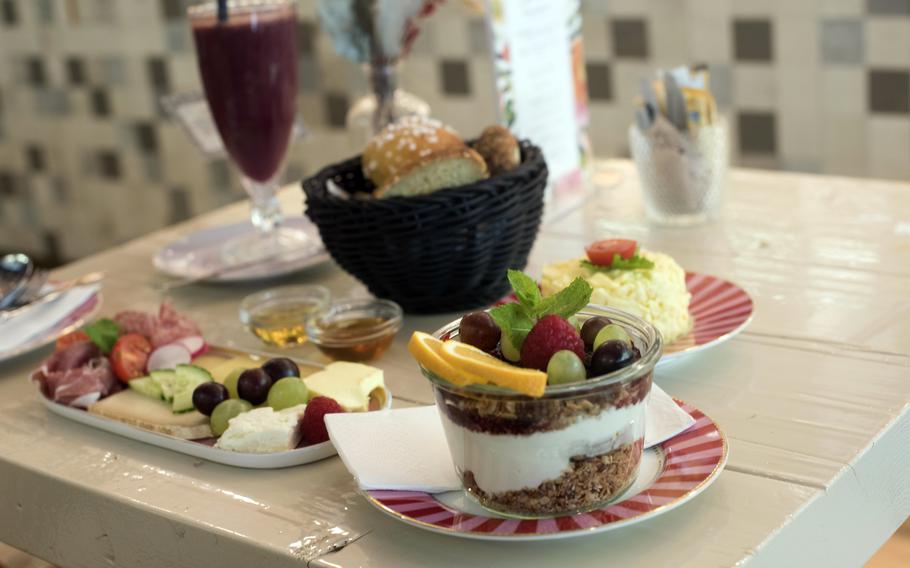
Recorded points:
(273, 460)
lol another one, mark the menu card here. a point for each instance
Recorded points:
(540, 79)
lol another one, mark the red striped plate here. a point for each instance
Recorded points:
(671, 474)
(720, 309)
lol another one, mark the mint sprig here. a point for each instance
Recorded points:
(517, 319)
(526, 290)
(635, 262)
(514, 320)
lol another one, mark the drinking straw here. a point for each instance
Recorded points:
(222, 10)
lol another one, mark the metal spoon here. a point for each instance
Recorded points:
(15, 272)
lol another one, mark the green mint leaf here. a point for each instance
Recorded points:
(515, 321)
(567, 302)
(637, 262)
(103, 333)
(526, 290)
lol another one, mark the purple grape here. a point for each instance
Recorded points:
(209, 395)
(280, 367)
(253, 386)
(590, 329)
(612, 355)
(479, 329)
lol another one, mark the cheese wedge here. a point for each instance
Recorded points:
(139, 410)
(220, 366)
(349, 384)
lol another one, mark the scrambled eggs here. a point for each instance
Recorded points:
(657, 295)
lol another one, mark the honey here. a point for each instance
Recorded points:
(283, 324)
(356, 339)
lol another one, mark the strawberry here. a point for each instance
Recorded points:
(312, 425)
(550, 334)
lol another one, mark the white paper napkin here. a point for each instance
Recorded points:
(405, 449)
(31, 323)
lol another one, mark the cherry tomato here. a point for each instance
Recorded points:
(129, 356)
(65, 341)
(601, 252)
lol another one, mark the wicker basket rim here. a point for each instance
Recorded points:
(532, 159)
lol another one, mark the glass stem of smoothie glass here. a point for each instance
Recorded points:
(265, 212)
(383, 80)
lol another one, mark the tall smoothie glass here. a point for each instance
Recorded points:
(248, 62)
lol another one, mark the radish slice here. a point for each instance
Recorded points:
(194, 344)
(168, 356)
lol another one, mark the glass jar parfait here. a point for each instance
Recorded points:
(574, 449)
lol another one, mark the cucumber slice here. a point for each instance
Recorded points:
(166, 379)
(188, 377)
(193, 374)
(183, 401)
(147, 386)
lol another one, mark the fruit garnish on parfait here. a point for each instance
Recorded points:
(529, 344)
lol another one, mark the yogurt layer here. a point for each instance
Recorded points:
(508, 462)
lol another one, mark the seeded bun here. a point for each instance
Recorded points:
(499, 149)
(416, 156)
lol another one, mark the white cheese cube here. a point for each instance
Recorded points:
(263, 430)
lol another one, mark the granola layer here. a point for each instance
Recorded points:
(495, 414)
(588, 483)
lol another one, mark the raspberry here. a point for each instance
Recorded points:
(550, 334)
(312, 425)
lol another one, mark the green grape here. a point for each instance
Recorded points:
(287, 392)
(230, 381)
(225, 411)
(510, 352)
(576, 323)
(565, 367)
(611, 331)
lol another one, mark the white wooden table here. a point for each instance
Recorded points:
(813, 396)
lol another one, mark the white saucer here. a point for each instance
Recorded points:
(199, 253)
(69, 321)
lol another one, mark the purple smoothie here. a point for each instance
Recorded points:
(249, 71)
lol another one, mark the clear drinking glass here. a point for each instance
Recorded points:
(682, 175)
(247, 58)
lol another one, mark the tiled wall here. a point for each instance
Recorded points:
(88, 159)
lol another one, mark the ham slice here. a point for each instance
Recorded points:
(79, 386)
(136, 322)
(167, 327)
(72, 357)
(172, 326)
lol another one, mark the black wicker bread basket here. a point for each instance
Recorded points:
(442, 252)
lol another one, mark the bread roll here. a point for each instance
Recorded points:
(415, 156)
(499, 149)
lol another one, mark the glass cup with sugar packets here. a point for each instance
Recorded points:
(279, 316)
(682, 174)
(359, 329)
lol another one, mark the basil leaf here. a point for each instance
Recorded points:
(103, 333)
(637, 262)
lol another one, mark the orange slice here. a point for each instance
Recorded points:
(428, 352)
(468, 358)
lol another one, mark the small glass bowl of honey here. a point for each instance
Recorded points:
(279, 316)
(356, 329)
